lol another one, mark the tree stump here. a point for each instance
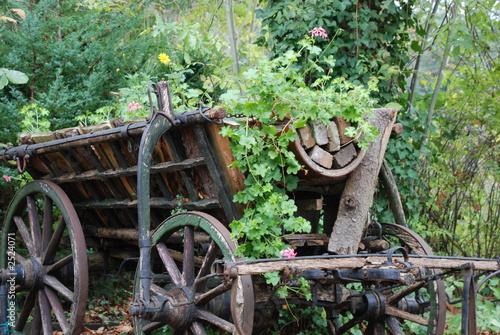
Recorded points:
(357, 196)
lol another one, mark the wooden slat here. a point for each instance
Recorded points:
(127, 172)
(154, 203)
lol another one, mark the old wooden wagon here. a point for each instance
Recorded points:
(118, 191)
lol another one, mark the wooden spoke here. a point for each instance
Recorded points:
(25, 235)
(384, 314)
(188, 263)
(60, 263)
(36, 324)
(43, 305)
(51, 293)
(197, 328)
(204, 298)
(375, 328)
(47, 222)
(215, 320)
(36, 233)
(208, 260)
(19, 259)
(349, 324)
(389, 310)
(393, 325)
(55, 241)
(169, 263)
(28, 305)
(393, 299)
(158, 290)
(57, 308)
(59, 287)
(197, 303)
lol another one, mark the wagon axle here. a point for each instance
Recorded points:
(16, 276)
(176, 308)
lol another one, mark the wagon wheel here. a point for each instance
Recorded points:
(43, 233)
(197, 299)
(383, 311)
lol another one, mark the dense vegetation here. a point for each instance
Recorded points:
(85, 60)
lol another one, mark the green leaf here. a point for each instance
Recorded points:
(415, 46)
(3, 80)
(17, 77)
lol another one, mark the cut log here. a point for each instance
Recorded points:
(306, 137)
(333, 137)
(344, 156)
(357, 196)
(319, 132)
(321, 157)
(341, 126)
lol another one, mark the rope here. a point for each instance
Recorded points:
(6, 325)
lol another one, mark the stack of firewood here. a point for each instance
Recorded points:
(327, 145)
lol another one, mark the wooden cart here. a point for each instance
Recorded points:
(160, 192)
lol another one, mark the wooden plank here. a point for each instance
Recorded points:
(127, 172)
(113, 203)
(299, 240)
(310, 263)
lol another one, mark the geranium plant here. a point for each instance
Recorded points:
(273, 99)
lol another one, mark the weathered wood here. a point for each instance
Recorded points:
(397, 128)
(319, 132)
(309, 263)
(333, 137)
(321, 157)
(306, 137)
(156, 202)
(391, 189)
(344, 156)
(357, 196)
(223, 154)
(300, 240)
(309, 204)
(126, 172)
(341, 126)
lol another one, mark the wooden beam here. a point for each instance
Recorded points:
(357, 196)
(308, 263)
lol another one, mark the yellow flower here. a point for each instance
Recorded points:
(163, 57)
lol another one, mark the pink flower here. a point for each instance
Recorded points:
(288, 253)
(7, 178)
(318, 31)
(134, 106)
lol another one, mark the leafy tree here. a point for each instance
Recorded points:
(370, 38)
(75, 58)
(447, 160)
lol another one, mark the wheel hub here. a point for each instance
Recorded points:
(370, 305)
(175, 309)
